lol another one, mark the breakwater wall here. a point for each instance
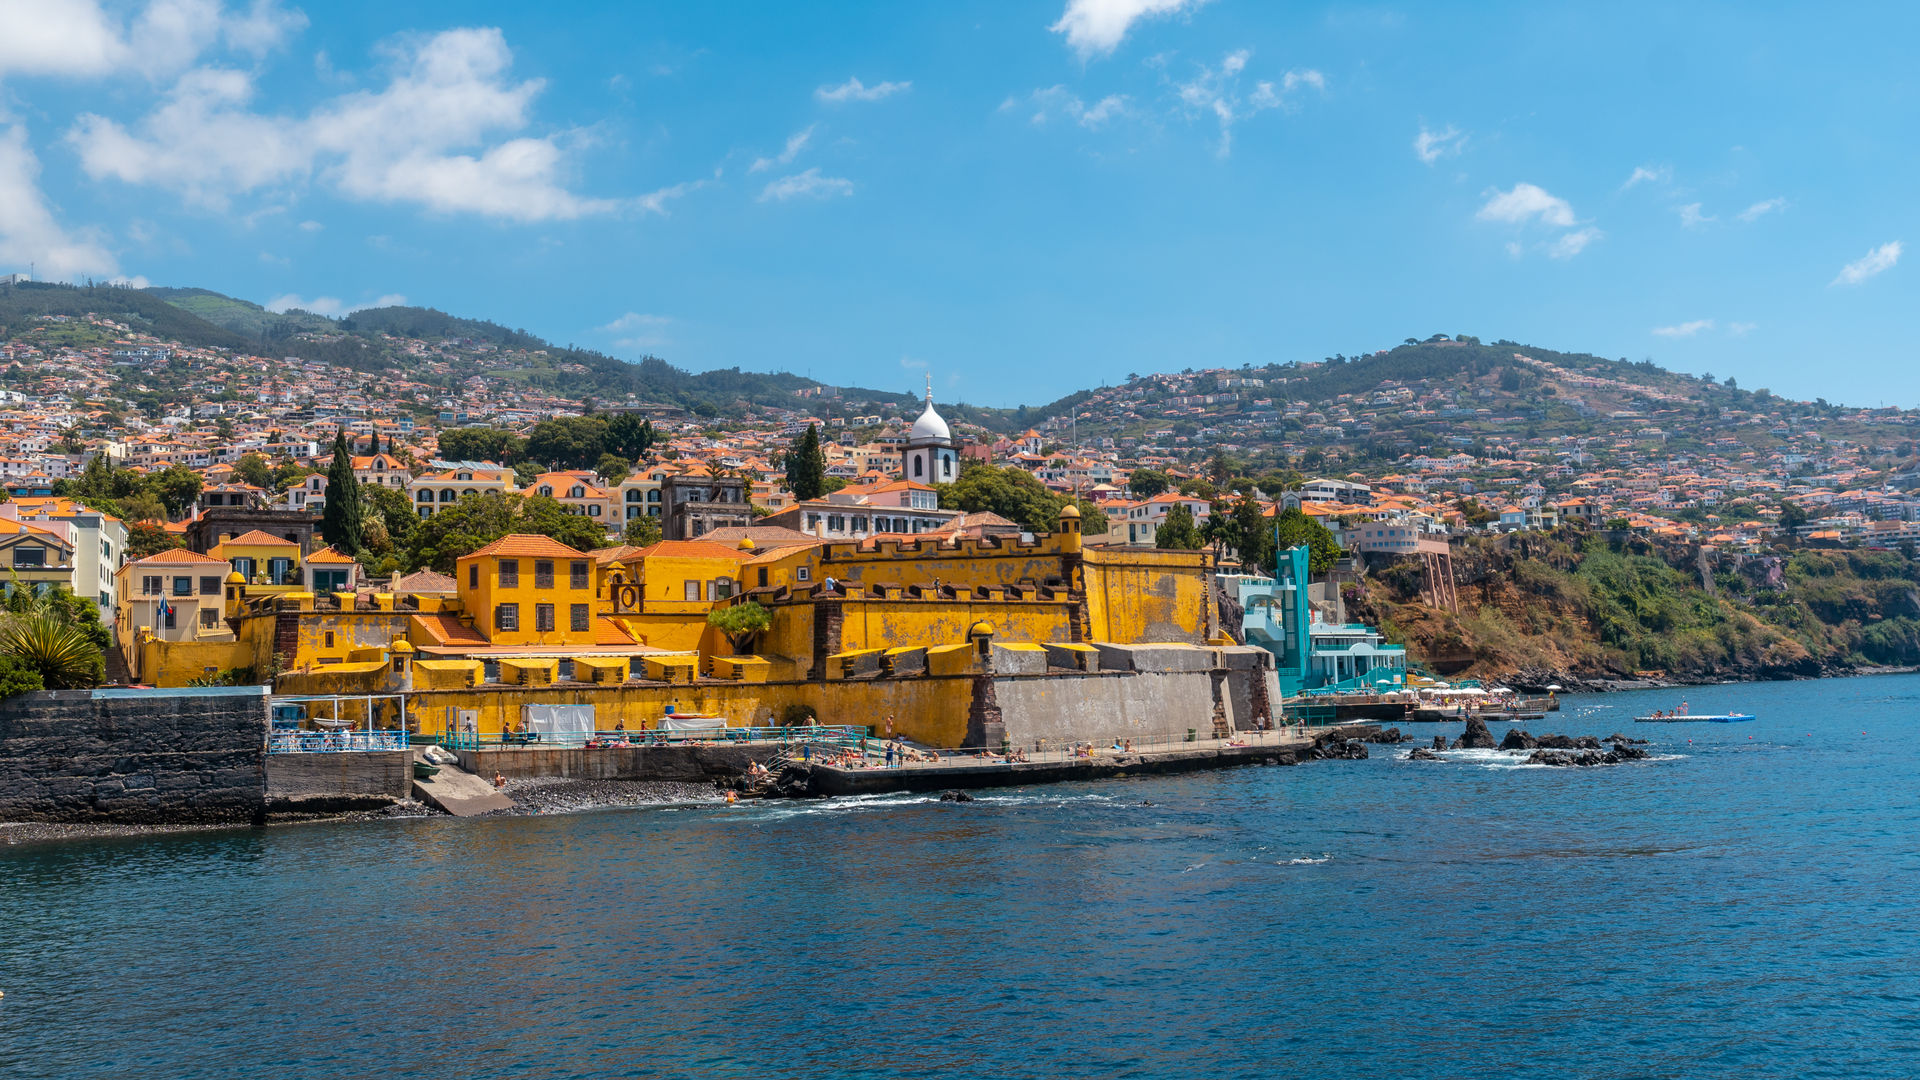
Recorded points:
(339, 781)
(134, 756)
(831, 780)
(685, 762)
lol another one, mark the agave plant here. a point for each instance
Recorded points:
(63, 654)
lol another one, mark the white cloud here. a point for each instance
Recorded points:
(1692, 218)
(331, 307)
(29, 232)
(79, 38)
(1058, 99)
(1685, 329)
(425, 138)
(1431, 146)
(311, 226)
(655, 202)
(855, 90)
(1216, 91)
(809, 184)
(1525, 203)
(1098, 26)
(1762, 209)
(795, 143)
(637, 331)
(1646, 174)
(70, 38)
(1877, 261)
(1742, 329)
(1573, 243)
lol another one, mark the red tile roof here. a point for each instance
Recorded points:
(176, 558)
(521, 545)
(448, 630)
(692, 549)
(256, 538)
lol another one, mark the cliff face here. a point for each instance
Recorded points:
(1586, 609)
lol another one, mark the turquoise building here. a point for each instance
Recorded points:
(1311, 656)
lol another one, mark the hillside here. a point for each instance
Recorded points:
(1572, 607)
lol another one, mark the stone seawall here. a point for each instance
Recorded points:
(686, 762)
(370, 777)
(146, 757)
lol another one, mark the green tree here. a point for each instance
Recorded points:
(806, 465)
(568, 442)
(1252, 535)
(1178, 532)
(526, 473)
(629, 436)
(1793, 516)
(176, 486)
(146, 538)
(1294, 528)
(478, 520)
(391, 508)
(482, 444)
(18, 677)
(253, 469)
(1146, 483)
(741, 623)
(343, 520)
(1013, 493)
(643, 531)
(613, 468)
(1221, 468)
(1474, 512)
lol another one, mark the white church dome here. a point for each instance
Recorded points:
(930, 427)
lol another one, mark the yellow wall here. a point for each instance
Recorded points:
(930, 710)
(1147, 596)
(176, 663)
(664, 580)
(483, 598)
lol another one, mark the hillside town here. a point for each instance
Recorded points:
(1396, 467)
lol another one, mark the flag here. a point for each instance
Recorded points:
(166, 609)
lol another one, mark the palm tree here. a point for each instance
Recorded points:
(62, 652)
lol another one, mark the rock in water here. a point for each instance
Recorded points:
(1477, 737)
(1518, 740)
(1334, 748)
(1626, 752)
(1421, 753)
(1625, 740)
(1439, 742)
(955, 796)
(1389, 737)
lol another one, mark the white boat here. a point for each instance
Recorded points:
(1694, 718)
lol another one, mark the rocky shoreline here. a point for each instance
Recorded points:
(33, 832)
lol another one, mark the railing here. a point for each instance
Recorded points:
(836, 735)
(334, 742)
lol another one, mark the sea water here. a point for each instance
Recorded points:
(1745, 904)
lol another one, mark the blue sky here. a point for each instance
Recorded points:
(1020, 198)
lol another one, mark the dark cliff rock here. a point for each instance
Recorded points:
(1476, 737)
(1421, 753)
(1389, 737)
(1518, 740)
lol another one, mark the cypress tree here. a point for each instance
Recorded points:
(340, 522)
(807, 466)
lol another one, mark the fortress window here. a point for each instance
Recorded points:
(509, 573)
(473, 576)
(506, 617)
(543, 574)
(577, 618)
(577, 574)
(543, 618)
(693, 590)
(803, 573)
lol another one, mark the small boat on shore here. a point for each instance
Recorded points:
(1694, 718)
